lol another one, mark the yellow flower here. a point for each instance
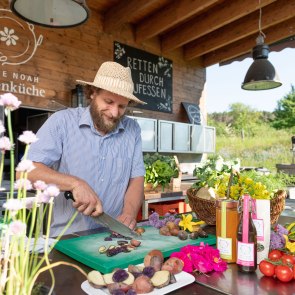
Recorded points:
(187, 224)
(289, 245)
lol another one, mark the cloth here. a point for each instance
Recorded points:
(69, 143)
(40, 244)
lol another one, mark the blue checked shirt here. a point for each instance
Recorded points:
(69, 143)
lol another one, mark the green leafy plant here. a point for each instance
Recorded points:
(159, 169)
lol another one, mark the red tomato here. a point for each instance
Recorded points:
(294, 271)
(275, 255)
(284, 273)
(286, 258)
(267, 268)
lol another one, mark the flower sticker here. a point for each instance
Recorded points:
(8, 36)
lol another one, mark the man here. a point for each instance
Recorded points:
(95, 153)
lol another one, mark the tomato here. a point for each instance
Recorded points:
(267, 268)
(284, 273)
(275, 255)
(286, 258)
(294, 271)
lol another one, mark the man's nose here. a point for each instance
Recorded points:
(115, 111)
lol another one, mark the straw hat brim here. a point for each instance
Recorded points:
(112, 89)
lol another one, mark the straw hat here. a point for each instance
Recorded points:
(115, 78)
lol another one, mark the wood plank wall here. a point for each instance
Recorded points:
(76, 53)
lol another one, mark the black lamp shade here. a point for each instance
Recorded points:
(261, 75)
(51, 13)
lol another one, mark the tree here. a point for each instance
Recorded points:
(284, 114)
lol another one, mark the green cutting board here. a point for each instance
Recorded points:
(85, 249)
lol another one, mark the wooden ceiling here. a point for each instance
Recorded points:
(215, 31)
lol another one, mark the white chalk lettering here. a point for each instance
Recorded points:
(142, 65)
(149, 90)
(22, 89)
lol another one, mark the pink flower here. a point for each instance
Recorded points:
(40, 185)
(5, 144)
(43, 198)
(30, 201)
(17, 228)
(23, 184)
(203, 258)
(28, 137)
(2, 128)
(52, 190)
(9, 101)
(13, 205)
(25, 166)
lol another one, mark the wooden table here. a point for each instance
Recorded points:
(69, 280)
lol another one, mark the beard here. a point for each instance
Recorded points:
(100, 123)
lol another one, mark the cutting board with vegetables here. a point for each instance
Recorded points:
(85, 249)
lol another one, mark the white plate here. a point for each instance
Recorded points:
(182, 279)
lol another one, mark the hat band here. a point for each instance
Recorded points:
(114, 83)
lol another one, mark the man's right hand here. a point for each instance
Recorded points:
(86, 200)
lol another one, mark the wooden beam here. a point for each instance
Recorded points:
(169, 16)
(123, 12)
(273, 34)
(217, 17)
(240, 29)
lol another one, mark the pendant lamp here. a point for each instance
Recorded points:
(51, 13)
(261, 75)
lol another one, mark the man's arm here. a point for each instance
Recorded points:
(133, 200)
(86, 200)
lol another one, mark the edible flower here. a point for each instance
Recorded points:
(201, 259)
(289, 245)
(187, 224)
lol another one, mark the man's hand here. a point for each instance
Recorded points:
(86, 200)
(128, 220)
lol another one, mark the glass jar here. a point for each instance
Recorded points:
(227, 220)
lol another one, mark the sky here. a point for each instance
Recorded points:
(223, 84)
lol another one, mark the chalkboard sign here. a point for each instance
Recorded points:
(151, 74)
(193, 112)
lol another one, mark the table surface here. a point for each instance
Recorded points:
(69, 279)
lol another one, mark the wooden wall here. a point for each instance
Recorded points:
(69, 54)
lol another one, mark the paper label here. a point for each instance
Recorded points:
(245, 254)
(224, 245)
(259, 225)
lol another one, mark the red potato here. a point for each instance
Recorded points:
(174, 265)
(143, 285)
(118, 286)
(155, 259)
(161, 278)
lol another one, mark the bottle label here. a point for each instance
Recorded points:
(224, 245)
(245, 254)
(259, 225)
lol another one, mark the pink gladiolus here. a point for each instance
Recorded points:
(5, 144)
(23, 184)
(9, 101)
(13, 205)
(28, 137)
(52, 190)
(40, 185)
(17, 228)
(2, 128)
(25, 166)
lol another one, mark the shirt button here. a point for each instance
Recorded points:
(101, 180)
(103, 158)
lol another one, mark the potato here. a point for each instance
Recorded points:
(164, 231)
(174, 265)
(161, 278)
(108, 278)
(171, 225)
(95, 279)
(142, 285)
(118, 286)
(155, 259)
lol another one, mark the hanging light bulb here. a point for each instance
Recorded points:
(261, 75)
(51, 13)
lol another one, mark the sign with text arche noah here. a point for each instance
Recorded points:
(151, 74)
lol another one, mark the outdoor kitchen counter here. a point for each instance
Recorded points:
(69, 279)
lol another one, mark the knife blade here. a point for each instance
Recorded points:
(109, 222)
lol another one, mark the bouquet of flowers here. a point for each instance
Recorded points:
(283, 238)
(20, 231)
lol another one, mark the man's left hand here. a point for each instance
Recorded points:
(128, 220)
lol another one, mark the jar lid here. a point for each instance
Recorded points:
(229, 203)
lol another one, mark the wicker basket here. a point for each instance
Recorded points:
(206, 210)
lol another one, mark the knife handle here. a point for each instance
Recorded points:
(69, 195)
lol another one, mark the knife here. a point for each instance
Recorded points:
(109, 222)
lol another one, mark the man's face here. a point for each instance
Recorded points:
(107, 109)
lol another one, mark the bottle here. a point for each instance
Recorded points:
(246, 239)
(227, 220)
